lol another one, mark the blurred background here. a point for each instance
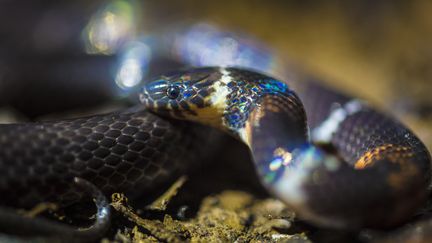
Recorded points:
(378, 50)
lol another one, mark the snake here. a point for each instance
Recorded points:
(353, 167)
(335, 160)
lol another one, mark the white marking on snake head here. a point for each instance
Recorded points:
(219, 97)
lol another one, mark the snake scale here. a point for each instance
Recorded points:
(336, 161)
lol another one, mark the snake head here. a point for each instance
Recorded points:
(193, 95)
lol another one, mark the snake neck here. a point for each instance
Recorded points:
(268, 117)
(275, 130)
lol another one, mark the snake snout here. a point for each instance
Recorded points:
(154, 91)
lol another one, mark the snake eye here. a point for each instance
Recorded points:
(173, 92)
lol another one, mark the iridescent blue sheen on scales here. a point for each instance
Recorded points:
(244, 95)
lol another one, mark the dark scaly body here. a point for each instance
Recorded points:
(126, 152)
(368, 171)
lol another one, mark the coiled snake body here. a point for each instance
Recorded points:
(378, 177)
(345, 166)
